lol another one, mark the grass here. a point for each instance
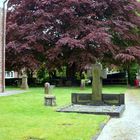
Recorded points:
(24, 117)
(115, 89)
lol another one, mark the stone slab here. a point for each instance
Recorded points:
(113, 111)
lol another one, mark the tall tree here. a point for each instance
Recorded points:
(73, 32)
(61, 29)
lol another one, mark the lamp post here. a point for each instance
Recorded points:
(3, 12)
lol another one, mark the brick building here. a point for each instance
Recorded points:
(2, 44)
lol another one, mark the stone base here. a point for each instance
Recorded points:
(96, 103)
(114, 111)
(50, 100)
(107, 99)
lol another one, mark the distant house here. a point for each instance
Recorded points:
(11, 74)
(14, 74)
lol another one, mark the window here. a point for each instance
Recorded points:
(9, 74)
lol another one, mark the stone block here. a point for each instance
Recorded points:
(50, 100)
(109, 99)
(113, 111)
(24, 84)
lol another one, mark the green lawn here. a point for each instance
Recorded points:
(24, 117)
(115, 89)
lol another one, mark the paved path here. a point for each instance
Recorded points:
(12, 92)
(128, 126)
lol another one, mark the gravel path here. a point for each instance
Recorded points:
(12, 92)
(128, 126)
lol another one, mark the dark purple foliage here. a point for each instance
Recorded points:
(61, 32)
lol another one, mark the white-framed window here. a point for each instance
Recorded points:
(9, 74)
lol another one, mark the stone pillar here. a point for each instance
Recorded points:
(97, 83)
(49, 99)
(47, 88)
(2, 51)
(24, 84)
(83, 84)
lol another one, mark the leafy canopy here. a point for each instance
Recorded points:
(67, 32)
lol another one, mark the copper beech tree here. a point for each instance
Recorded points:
(73, 33)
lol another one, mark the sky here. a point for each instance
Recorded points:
(1, 3)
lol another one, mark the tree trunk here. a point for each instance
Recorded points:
(128, 77)
(18, 82)
(52, 74)
(30, 74)
(70, 72)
